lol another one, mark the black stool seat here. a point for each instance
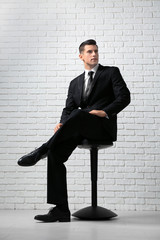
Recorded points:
(94, 212)
(88, 144)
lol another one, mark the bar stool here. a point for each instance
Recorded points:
(94, 212)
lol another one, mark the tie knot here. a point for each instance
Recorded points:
(90, 74)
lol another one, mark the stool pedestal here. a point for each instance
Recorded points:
(94, 212)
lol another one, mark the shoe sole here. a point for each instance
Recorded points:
(64, 220)
(57, 220)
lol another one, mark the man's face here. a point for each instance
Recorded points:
(89, 56)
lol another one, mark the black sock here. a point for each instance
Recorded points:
(43, 149)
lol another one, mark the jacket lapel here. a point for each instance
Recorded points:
(99, 71)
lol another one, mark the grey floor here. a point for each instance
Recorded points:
(18, 225)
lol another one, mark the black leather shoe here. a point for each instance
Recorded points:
(32, 158)
(54, 215)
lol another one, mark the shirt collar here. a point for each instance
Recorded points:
(93, 70)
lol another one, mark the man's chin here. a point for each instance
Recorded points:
(94, 63)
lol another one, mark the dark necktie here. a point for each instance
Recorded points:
(88, 88)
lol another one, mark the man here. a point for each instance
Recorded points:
(94, 99)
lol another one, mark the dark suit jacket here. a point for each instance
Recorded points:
(109, 93)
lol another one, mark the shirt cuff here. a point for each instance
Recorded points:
(106, 116)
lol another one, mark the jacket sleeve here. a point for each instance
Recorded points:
(69, 106)
(121, 94)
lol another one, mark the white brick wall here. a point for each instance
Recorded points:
(39, 42)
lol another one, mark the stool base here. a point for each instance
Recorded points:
(94, 213)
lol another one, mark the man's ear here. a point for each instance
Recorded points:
(81, 56)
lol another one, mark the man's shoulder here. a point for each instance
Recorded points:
(107, 67)
(78, 78)
(109, 70)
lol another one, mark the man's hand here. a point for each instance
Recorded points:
(58, 126)
(99, 113)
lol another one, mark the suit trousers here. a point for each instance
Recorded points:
(79, 125)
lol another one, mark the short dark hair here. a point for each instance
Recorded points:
(87, 42)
